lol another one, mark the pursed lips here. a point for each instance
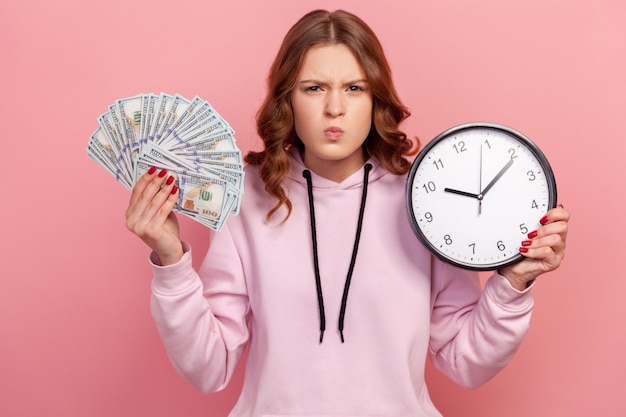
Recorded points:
(333, 132)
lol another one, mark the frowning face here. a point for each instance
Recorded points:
(332, 106)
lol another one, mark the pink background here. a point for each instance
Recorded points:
(76, 338)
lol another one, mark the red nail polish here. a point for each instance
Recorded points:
(532, 234)
(174, 189)
(162, 173)
(523, 250)
(169, 180)
(544, 220)
(152, 170)
(527, 242)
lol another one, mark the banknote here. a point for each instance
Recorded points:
(161, 110)
(179, 117)
(188, 138)
(130, 111)
(100, 150)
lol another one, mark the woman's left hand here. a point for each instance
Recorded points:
(544, 250)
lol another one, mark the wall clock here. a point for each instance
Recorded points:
(474, 193)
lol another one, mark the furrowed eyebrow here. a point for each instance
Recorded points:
(318, 82)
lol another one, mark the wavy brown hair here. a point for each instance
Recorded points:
(275, 119)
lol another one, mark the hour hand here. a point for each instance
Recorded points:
(465, 193)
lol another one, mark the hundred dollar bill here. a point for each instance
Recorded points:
(212, 223)
(199, 163)
(148, 117)
(157, 156)
(203, 111)
(145, 162)
(177, 134)
(100, 147)
(202, 196)
(232, 177)
(207, 128)
(176, 110)
(206, 117)
(160, 112)
(224, 166)
(183, 115)
(115, 119)
(130, 111)
(145, 106)
(154, 155)
(151, 153)
(209, 221)
(221, 142)
(100, 150)
(229, 157)
(114, 139)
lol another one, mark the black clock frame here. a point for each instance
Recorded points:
(543, 161)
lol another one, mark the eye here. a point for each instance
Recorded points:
(313, 88)
(356, 88)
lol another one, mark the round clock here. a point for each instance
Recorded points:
(474, 193)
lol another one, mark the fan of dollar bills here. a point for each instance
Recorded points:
(186, 137)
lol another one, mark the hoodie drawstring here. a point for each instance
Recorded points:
(318, 282)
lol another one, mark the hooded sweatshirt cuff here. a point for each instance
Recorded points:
(175, 277)
(500, 290)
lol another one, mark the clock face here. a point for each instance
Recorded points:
(476, 191)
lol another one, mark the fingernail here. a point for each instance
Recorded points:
(523, 250)
(162, 173)
(532, 234)
(544, 220)
(561, 205)
(152, 170)
(174, 189)
(527, 242)
(169, 180)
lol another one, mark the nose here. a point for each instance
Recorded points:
(335, 105)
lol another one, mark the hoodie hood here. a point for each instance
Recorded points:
(353, 181)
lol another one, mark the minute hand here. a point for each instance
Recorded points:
(496, 178)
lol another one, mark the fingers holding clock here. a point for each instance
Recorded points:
(552, 235)
(544, 249)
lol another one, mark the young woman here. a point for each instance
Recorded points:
(321, 274)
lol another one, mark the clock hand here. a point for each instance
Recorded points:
(465, 193)
(496, 178)
(480, 179)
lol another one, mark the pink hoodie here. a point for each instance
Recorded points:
(257, 286)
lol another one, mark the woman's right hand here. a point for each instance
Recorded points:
(149, 215)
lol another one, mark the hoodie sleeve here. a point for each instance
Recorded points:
(202, 317)
(475, 334)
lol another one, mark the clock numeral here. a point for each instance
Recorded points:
(512, 153)
(534, 205)
(447, 239)
(531, 176)
(438, 164)
(428, 216)
(459, 147)
(487, 143)
(523, 228)
(473, 246)
(501, 246)
(429, 186)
